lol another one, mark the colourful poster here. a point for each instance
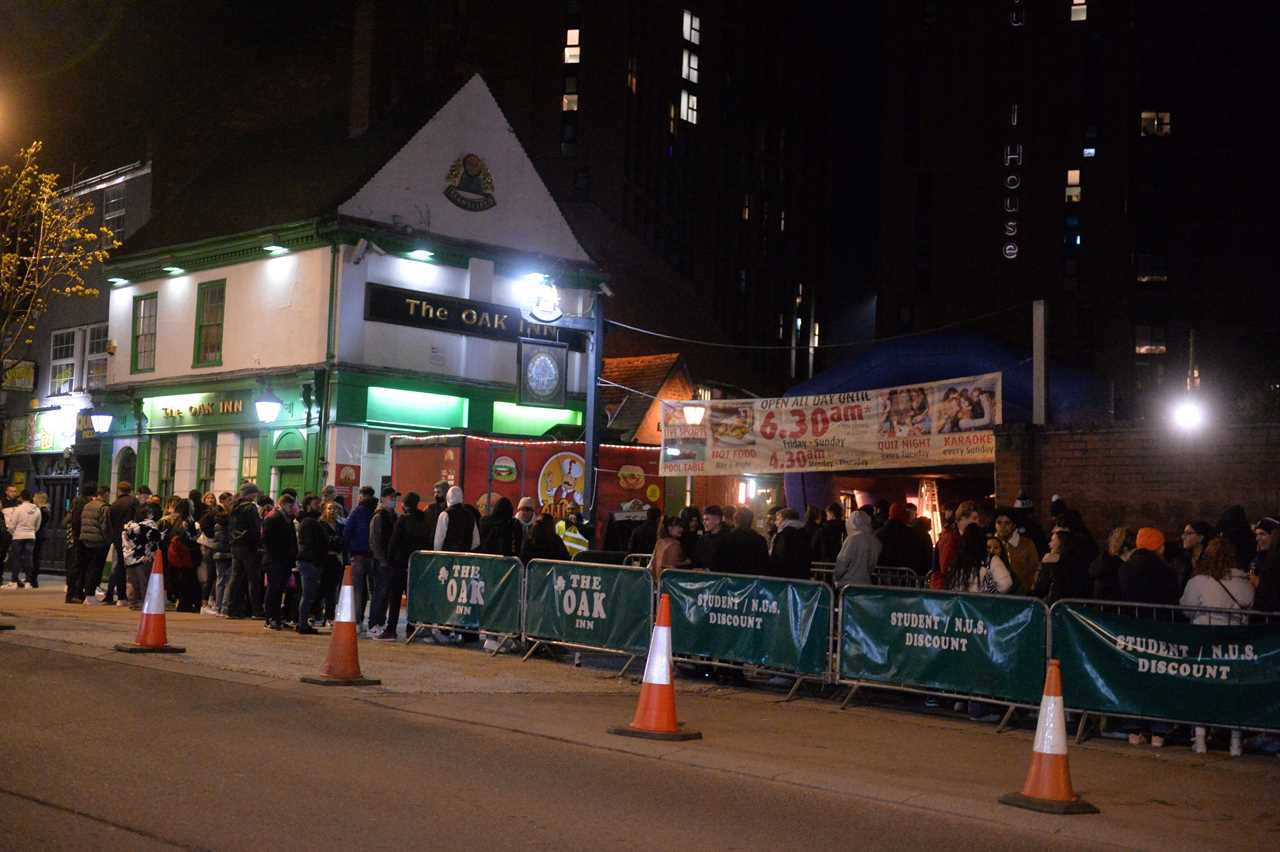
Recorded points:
(936, 423)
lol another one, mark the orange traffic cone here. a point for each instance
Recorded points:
(342, 666)
(151, 637)
(655, 717)
(1048, 785)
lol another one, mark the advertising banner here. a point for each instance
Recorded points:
(602, 606)
(465, 590)
(948, 422)
(776, 624)
(1215, 674)
(981, 645)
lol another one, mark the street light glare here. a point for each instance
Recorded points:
(1188, 414)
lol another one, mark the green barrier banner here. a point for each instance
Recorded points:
(603, 606)
(966, 644)
(1217, 674)
(777, 624)
(465, 590)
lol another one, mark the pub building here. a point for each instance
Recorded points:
(315, 295)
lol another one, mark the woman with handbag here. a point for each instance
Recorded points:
(178, 545)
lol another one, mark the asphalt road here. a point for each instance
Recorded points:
(98, 755)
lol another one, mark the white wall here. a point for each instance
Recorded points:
(409, 190)
(434, 352)
(276, 315)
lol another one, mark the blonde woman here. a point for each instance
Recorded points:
(41, 501)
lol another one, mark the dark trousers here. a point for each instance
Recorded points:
(398, 576)
(115, 583)
(278, 572)
(36, 555)
(381, 585)
(309, 580)
(244, 566)
(330, 583)
(73, 563)
(187, 587)
(94, 559)
(20, 559)
(258, 586)
(362, 578)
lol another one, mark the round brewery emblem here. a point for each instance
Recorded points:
(469, 184)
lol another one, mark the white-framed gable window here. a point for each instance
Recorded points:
(78, 359)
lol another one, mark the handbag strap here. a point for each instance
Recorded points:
(1228, 591)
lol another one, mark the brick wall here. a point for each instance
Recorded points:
(1148, 476)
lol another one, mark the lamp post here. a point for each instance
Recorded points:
(101, 420)
(268, 405)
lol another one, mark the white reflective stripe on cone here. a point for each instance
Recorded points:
(154, 604)
(1051, 729)
(657, 669)
(346, 605)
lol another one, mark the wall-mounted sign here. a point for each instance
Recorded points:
(401, 306)
(205, 409)
(19, 376)
(469, 184)
(542, 374)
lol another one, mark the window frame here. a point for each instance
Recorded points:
(689, 66)
(166, 462)
(572, 45)
(203, 289)
(249, 439)
(689, 107)
(66, 361)
(691, 27)
(91, 357)
(133, 335)
(206, 460)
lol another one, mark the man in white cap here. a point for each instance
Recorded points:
(456, 528)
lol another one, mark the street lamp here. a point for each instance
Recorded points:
(101, 420)
(268, 406)
(1188, 415)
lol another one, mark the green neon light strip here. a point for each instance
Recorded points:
(512, 419)
(394, 407)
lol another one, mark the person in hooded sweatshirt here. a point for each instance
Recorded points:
(790, 554)
(23, 523)
(860, 551)
(901, 544)
(456, 527)
(830, 535)
(1146, 578)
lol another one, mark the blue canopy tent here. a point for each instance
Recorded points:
(1074, 396)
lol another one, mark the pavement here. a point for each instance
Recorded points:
(514, 755)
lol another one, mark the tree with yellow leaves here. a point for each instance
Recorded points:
(46, 246)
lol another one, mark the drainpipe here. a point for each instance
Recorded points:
(325, 375)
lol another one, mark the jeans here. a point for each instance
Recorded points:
(222, 588)
(93, 559)
(206, 573)
(138, 576)
(309, 579)
(244, 568)
(115, 583)
(20, 553)
(363, 578)
(381, 585)
(399, 575)
(278, 572)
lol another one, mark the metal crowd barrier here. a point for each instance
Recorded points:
(1165, 614)
(638, 560)
(881, 575)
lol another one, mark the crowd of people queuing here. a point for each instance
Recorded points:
(245, 555)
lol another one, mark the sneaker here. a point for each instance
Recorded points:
(1157, 741)
(1137, 740)
(374, 632)
(120, 602)
(270, 625)
(9, 585)
(91, 601)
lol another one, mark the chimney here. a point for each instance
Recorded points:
(361, 68)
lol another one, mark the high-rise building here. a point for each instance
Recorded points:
(1102, 156)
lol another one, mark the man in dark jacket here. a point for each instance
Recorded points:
(830, 535)
(244, 530)
(437, 507)
(900, 544)
(75, 561)
(281, 543)
(313, 550)
(713, 552)
(748, 551)
(791, 557)
(645, 537)
(123, 510)
(381, 527)
(355, 540)
(411, 534)
(1145, 578)
(95, 541)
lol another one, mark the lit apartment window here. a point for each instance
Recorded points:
(569, 99)
(692, 27)
(1089, 153)
(689, 66)
(206, 461)
(95, 359)
(62, 363)
(248, 458)
(1156, 124)
(1079, 10)
(746, 207)
(572, 49)
(1073, 185)
(688, 106)
(168, 465)
(671, 119)
(782, 221)
(631, 75)
(1149, 340)
(144, 333)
